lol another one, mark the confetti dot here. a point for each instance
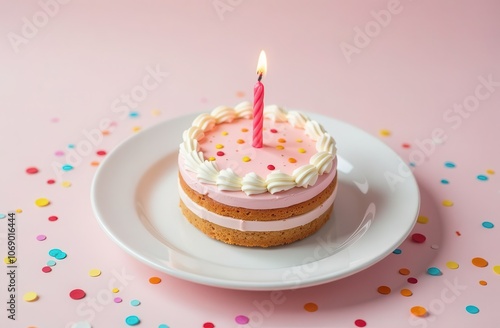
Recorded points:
(496, 269)
(59, 153)
(244, 130)
(30, 296)
(66, 184)
(422, 219)
(163, 326)
(61, 256)
(490, 172)
(360, 323)
(133, 114)
(51, 181)
(220, 153)
(482, 177)
(452, 265)
(280, 147)
(479, 262)
(434, 246)
(94, 272)
(240, 94)
(211, 158)
(135, 302)
(412, 164)
(2, 216)
(246, 159)
(101, 152)
(482, 283)
(405, 145)
(77, 294)
(412, 280)
(154, 280)
(241, 319)
(94, 163)
(418, 311)
(67, 167)
(397, 251)
(487, 225)
(240, 141)
(281, 140)
(418, 238)
(53, 218)
(132, 320)
(384, 290)
(19, 210)
(219, 146)
(271, 167)
(273, 131)
(406, 292)
(385, 133)
(208, 325)
(311, 307)
(51, 262)
(449, 165)
(115, 290)
(444, 181)
(433, 271)
(136, 129)
(292, 160)
(302, 150)
(447, 203)
(41, 202)
(472, 309)
(404, 271)
(155, 112)
(31, 170)
(41, 237)
(54, 251)
(299, 140)
(81, 324)
(105, 132)
(117, 300)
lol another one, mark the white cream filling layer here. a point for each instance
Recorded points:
(245, 225)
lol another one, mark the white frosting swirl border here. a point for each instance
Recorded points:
(208, 172)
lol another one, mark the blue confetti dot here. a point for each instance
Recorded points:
(61, 256)
(445, 181)
(67, 167)
(397, 251)
(54, 251)
(2, 216)
(163, 326)
(472, 309)
(132, 320)
(449, 164)
(433, 271)
(135, 302)
(482, 177)
(133, 114)
(412, 164)
(487, 224)
(51, 262)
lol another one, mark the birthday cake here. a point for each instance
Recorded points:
(248, 196)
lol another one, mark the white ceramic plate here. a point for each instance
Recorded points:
(134, 196)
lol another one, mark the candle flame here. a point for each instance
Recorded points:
(262, 63)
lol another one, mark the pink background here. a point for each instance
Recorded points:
(67, 74)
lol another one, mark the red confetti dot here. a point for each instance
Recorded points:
(53, 218)
(77, 294)
(418, 238)
(270, 167)
(360, 323)
(274, 131)
(51, 181)
(208, 325)
(412, 280)
(31, 170)
(101, 152)
(46, 269)
(220, 153)
(406, 145)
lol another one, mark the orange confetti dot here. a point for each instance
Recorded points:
(406, 292)
(418, 311)
(490, 171)
(240, 94)
(136, 128)
(244, 130)
(447, 203)
(302, 150)
(246, 159)
(281, 140)
(384, 290)
(280, 147)
(154, 280)
(94, 163)
(219, 146)
(482, 283)
(404, 271)
(240, 141)
(105, 132)
(479, 262)
(292, 160)
(311, 307)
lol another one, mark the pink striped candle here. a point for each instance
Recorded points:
(258, 103)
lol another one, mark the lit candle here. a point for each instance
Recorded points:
(258, 102)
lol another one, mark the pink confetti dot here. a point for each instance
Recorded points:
(241, 319)
(117, 300)
(46, 269)
(53, 218)
(51, 181)
(101, 152)
(59, 153)
(32, 170)
(41, 237)
(77, 294)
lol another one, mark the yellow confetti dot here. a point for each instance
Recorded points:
(292, 160)
(30, 296)
(10, 260)
(302, 150)
(281, 140)
(155, 112)
(404, 271)
(482, 283)
(94, 163)
(280, 147)
(224, 133)
(94, 272)
(115, 290)
(299, 140)
(384, 290)
(154, 280)
(211, 158)
(41, 202)
(66, 184)
(406, 292)
(490, 171)
(479, 262)
(219, 146)
(385, 133)
(452, 265)
(136, 129)
(422, 219)
(246, 159)
(240, 141)
(311, 307)
(496, 269)
(244, 130)
(19, 210)
(418, 311)
(447, 203)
